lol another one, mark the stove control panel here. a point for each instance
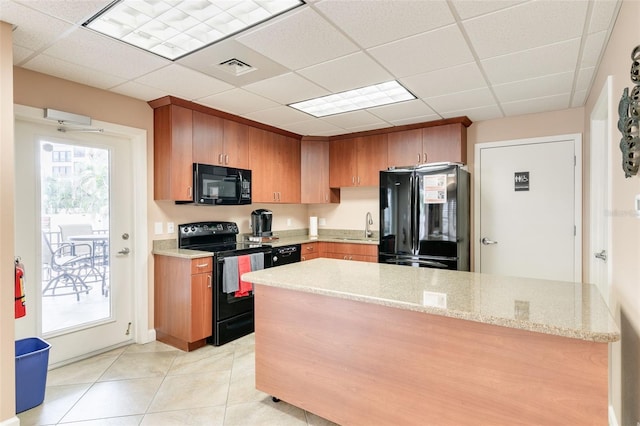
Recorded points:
(207, 228)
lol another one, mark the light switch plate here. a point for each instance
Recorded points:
(157, 228)
(170, 227)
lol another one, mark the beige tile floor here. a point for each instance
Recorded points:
(156, 384)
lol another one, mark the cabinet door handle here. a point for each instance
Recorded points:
(419, 157)
(226, 159)
(425, 157)
(220, 158)
(202, 265)
(353, 180)
(210, 278)
(303, 258)
(190, 192)
(358, 180)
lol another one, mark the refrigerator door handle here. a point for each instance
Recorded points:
(415, 194)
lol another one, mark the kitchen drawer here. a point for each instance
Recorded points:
(203, 264)
(353, 249)
(309, 251)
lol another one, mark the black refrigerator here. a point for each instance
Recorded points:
(424, 216)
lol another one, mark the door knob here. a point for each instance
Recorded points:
(124, 251)
(487, 241)
(602, 255)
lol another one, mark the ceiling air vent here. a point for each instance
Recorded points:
(236, 67)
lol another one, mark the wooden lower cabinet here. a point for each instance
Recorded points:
(348, 251)
(310, 251)
(183, 312)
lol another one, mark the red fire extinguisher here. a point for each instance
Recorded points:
(21, 306)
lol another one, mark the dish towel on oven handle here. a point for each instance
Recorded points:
(252, 262)
(230, 275)
(244, 266)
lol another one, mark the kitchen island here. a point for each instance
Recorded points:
(364, 343)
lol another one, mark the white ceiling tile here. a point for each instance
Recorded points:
(298, 40)
(237, 101)
(364, 128)
(183, 82)
(531, 106)
(74, 11)
(414, 120)
(286, 88)
(440, 82)
(585, 77)
(371, 23)
(593, 46)
(552, 59)
(346, 73)
(87, 48)
(353, 119)
(34, 30)
(20, 54)
(470, 8)
(602, 14)
(534, 88)
(139, 91)
(74, 72)
(455, 101)
(442, 48)
(526, 26)
(402, 111)
(579, 98)
(315, 127)
(278, 116)
(489, 112)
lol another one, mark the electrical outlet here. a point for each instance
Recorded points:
(322, 221)
(170, 227)
(288, 222)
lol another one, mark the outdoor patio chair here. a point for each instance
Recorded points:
(70, 271)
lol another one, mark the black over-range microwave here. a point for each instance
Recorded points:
(219, 185)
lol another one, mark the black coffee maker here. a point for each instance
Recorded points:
(261, 222)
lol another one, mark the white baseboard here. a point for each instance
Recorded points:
(151, 336)
(613, 421)
(13, 421)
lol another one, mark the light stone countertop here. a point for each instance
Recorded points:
(559, 308)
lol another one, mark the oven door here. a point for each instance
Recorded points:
(215, 185)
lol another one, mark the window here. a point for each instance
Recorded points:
(61, 156)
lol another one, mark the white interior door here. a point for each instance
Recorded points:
(86, 307)
(528, 214)
(600, 201)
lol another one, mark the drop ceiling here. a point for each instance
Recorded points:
(483, 59)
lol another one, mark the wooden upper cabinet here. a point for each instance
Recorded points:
(372, 158)
(405, 148)
(314, 173)
(357, 161)
(428, 145)
(236, 144)
(342, 163)
(219, 141)
(445, 143)
(208, 146)
(172, 154)
(275, 166)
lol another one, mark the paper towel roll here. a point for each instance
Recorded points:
(313, 226)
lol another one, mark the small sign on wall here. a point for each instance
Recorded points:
(521, 181)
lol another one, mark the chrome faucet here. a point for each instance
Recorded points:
(368, 222)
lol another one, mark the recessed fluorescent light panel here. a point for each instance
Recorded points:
(352, 100)
(175, 28)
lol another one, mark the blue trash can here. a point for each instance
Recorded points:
(32, 362)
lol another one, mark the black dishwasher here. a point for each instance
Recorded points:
(284, 255)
